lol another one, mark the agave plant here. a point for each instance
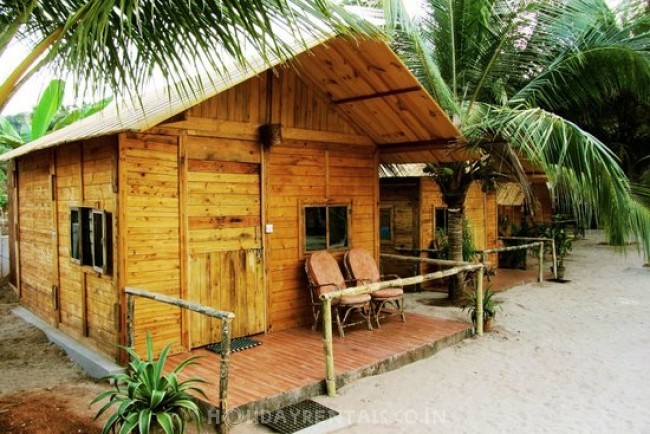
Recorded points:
(146, 401)
(490, 305)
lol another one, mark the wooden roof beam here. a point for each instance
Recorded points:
(376, 95)
(423, 145)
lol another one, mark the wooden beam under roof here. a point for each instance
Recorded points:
(422, 145)
(376, 95)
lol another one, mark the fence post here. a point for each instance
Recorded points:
(130, 308)
(479, 301)
(541, 261)
(554, 258)
(223, 375)
(330, 378)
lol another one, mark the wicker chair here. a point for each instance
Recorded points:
(325, 276)
(361, 266)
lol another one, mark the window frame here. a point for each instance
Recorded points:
(76, 259)
(88, 239)
(327, 206)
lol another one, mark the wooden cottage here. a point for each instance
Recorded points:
(219, 196)
(514, 210)
(412, 212)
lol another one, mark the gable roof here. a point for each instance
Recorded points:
(364, 78)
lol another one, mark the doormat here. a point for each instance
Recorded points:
(296, 417)
(558, 280)
(237, 344)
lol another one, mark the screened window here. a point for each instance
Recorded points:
(90, 238)
(326, 227)
(441, 220)
(386, 224)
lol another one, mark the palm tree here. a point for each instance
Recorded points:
(120, 43)
(506, 70)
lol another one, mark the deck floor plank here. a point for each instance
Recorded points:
(293, 359)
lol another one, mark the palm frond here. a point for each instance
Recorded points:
(575, 158)
(120, 43)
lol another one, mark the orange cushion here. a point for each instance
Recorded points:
(388, 293)
(355, 299)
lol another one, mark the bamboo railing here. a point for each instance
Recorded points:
(226, 319)
(545, 240)
(326, 305)
(539, 244)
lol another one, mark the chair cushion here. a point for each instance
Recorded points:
(354, 299)
(361, 265)
(388, 293)
(324, 270)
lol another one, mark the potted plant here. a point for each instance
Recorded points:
(490, 307)
(563, 245)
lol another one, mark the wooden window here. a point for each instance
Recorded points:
(90, 238)
(75, 235)
(101, 241)
(386, 224)
(440, 221)
(326, 227)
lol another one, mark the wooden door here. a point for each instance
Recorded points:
(225, 247)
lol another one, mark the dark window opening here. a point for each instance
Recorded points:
(326, 227)
(386, 224)
(90, 238)
(441, 220)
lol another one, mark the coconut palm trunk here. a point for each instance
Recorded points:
(454, 180)
(455, 202)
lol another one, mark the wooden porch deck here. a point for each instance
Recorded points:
(289, 365)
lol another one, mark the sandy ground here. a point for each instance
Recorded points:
(41, 390)
(563, 357)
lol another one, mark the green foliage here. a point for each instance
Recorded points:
(442, 242)
(120, 44)
(145, 400)
(469, 249)
(563, 243)
(48, 105)
(490, 304)
(48, 115)
(507, 73)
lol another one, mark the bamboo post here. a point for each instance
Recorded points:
(554, 258)
(330, 378)
(479, 301)
(541, 261)
(130, 308)
(223, 374)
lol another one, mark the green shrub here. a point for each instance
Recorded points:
(147, 401)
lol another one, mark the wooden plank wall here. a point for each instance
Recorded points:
(99, 182)
(312, 173)
(86, 175)
(71, 276)
(402, 196)
(50, 183)
(150, 232)
(480, 209)
(311, 170)
(543, 203)
(35, 249)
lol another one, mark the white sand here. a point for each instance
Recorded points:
(569, 357)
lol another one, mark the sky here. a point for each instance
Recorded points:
(28, 95)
